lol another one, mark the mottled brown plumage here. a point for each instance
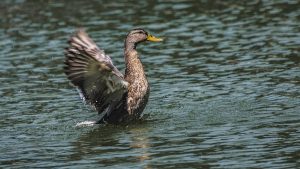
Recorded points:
(115, 97)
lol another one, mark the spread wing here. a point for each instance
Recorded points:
(88, 68)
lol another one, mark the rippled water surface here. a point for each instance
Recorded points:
(225, 85)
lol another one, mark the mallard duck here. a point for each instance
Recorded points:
(117, 98)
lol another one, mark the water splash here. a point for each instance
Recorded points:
(86, 124)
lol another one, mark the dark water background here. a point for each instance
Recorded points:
(225, 85)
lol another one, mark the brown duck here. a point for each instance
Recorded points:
(117, 98)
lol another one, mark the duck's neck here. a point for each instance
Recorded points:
(134, 68)
(129, 46)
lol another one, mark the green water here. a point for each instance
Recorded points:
(225, 85)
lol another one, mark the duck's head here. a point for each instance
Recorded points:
(138, 35)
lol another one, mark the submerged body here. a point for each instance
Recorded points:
(116, 98)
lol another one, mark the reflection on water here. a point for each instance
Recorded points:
(140, 142)
(105, 145)
(224, 85)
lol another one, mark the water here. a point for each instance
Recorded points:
(225, 85)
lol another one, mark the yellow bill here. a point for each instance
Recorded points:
(153, 38)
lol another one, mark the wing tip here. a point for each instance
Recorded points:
(78, 33)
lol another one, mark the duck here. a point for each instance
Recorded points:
(116, 97)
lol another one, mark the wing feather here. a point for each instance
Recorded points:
(92, 71)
